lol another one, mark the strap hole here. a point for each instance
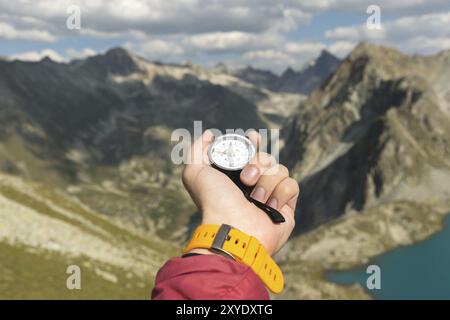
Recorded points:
(270, 272)
(197, 235)
(256, 254)
(206, 233)
(213, 235)
(265, 266)
(275, 277)
(237, 241)
(243, 245)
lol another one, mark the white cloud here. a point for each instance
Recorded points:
(387, 6)
(341, 48)
(304, 47)
(243, 31)
(157, 49)
(234, 41)
(266, 55)
(419, 34)
(164, 17)
(269, 59)
(9, 32)
(38, 55)
(72, 53)
(356, 33)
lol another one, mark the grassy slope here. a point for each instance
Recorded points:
(36, 273)
(31, 275)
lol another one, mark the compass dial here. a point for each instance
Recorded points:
(231, 152)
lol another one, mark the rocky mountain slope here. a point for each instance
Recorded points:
(291, 81)
(101, 128)
(43, 231)
(378, 130)
(372, 148)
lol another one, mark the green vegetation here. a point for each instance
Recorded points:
(27, 274)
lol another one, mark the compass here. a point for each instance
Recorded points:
(230, 153)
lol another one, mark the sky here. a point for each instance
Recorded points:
(267, 34)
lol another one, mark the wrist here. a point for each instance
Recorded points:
(201, 251)
(210, 252)
(245, 225)
(240, 247)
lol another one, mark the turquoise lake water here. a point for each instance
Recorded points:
(419, 271)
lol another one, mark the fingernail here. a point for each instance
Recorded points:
(250, 173)
(259, 193)
(273, 203)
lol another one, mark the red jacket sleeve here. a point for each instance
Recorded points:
(207, 277)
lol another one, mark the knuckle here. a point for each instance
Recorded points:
(282, 170)
(296, 186)
(290, 186)
(291, 220)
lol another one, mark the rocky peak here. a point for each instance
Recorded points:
(326, 62)
(117, 61)
(289, 72)
(376, 128)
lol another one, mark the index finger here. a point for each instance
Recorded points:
(255, 138)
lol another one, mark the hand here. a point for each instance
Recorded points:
(222, 202)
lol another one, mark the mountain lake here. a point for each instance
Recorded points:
(418, 271)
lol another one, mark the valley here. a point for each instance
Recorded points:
(86, 176)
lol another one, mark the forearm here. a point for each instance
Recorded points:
(207, 277)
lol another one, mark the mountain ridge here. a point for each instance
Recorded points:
(303, 81)
(369, 147)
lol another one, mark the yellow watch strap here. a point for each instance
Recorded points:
(243, 248)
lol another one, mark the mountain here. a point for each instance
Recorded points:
(261, 78)
(86, 176)
(311, 77)
(374, 130)
(290, 81)
(371, 151)
(101, 127)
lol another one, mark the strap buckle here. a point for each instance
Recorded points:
(220, 238)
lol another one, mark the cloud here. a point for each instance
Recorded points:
(295, 54)
(422, 33)
(341, 48)
(72, 53)
(158, 17)
(234, 41)
(259, 32)
(304, 47)
(156, 49)
(38, 55)
(387, 6)
(269, 59)
(10, 32)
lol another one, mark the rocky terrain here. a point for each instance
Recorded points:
(86, 176)
(302, 81)
(370, 149)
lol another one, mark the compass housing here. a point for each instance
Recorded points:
(231, 152)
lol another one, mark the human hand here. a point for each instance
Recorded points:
(222, 202)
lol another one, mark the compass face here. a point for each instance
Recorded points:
(231, 152)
